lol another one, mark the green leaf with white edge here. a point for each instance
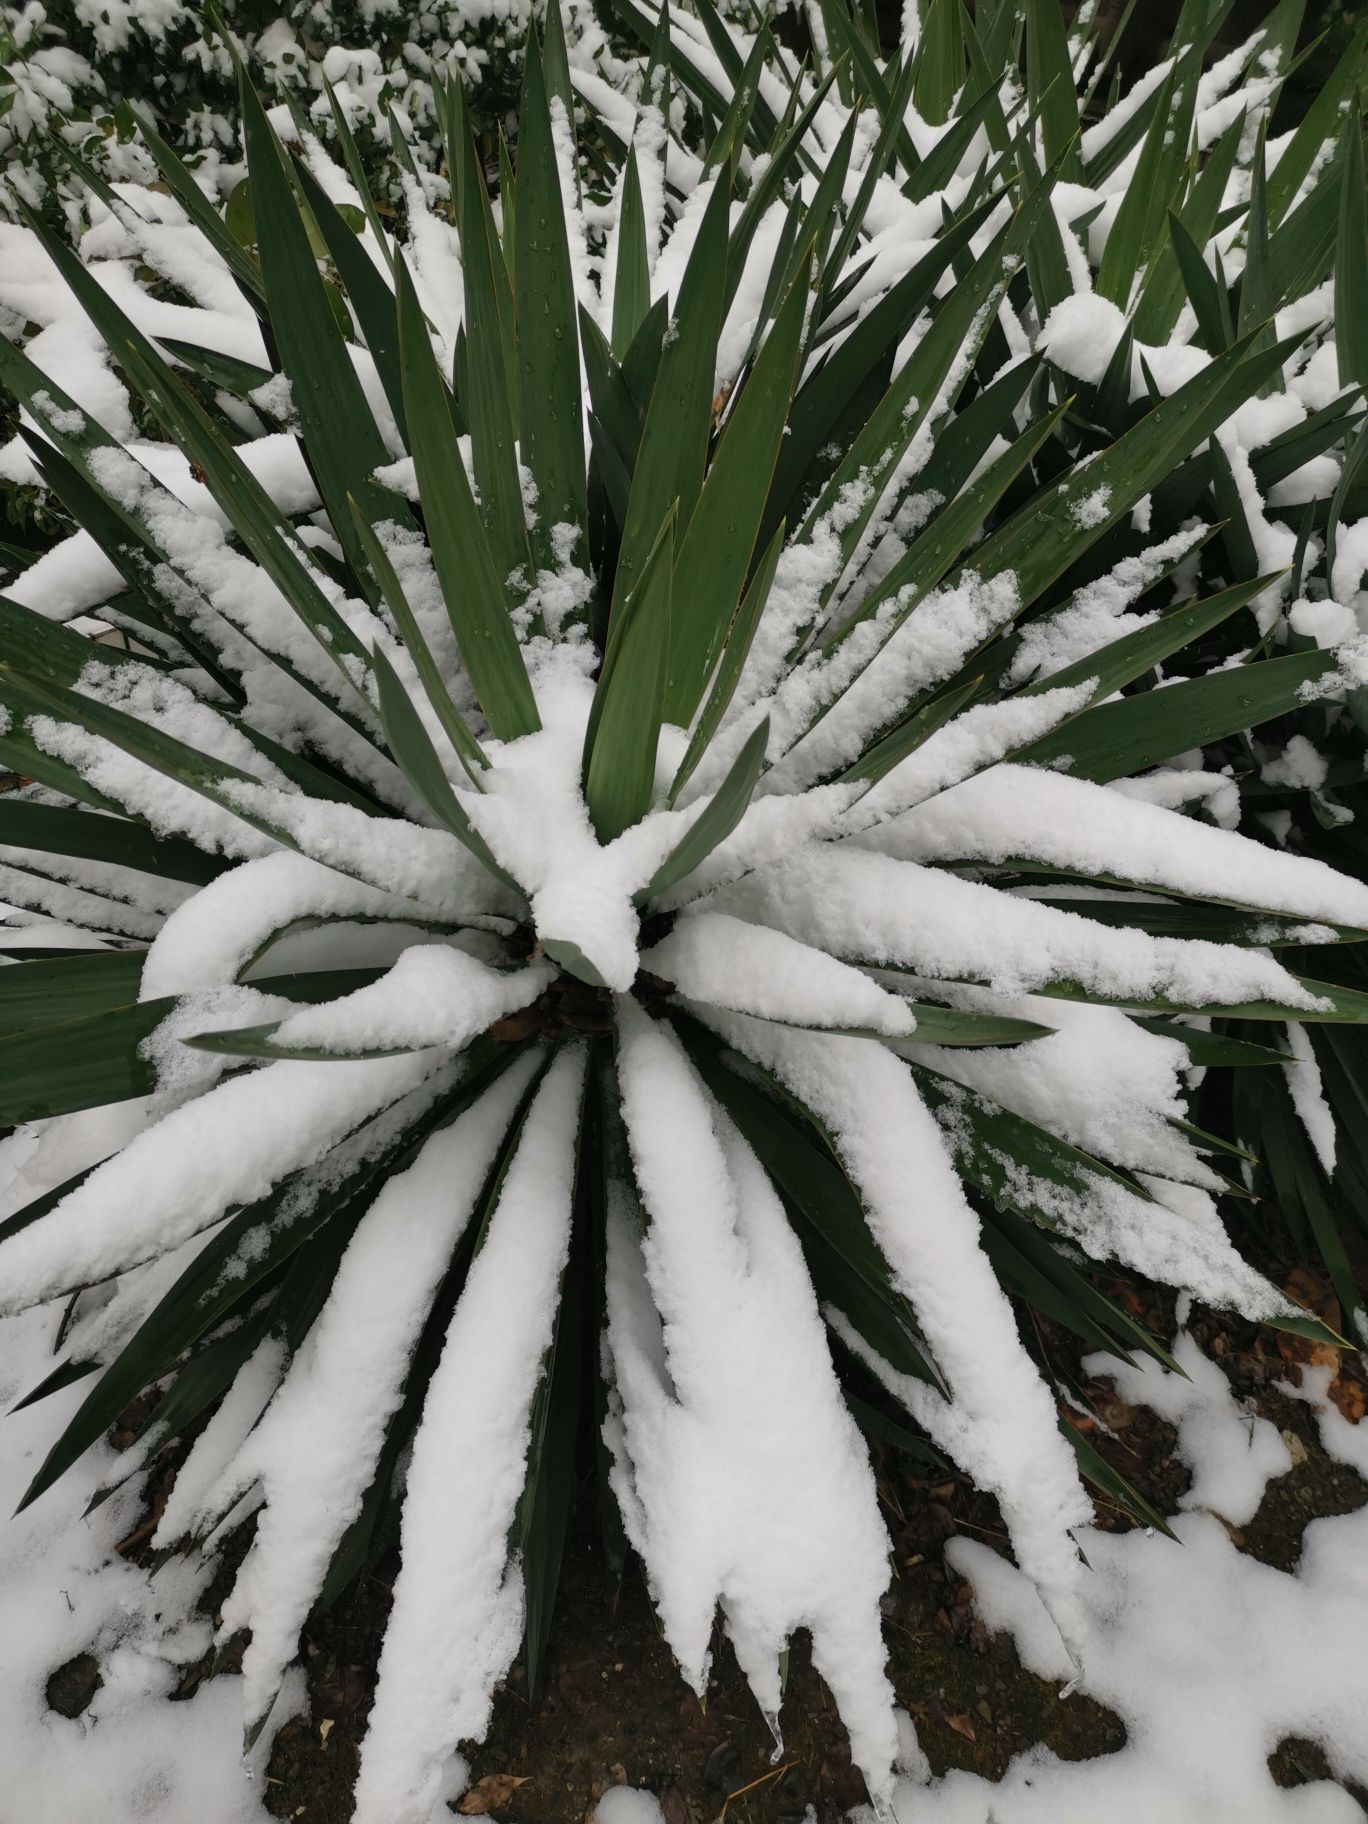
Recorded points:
(1135, 235)
(125, 536)
(567, 955)
(1208, 302)
(317, 781)
(56, 412)
(632, 273)
(933, 553)
(413, 750)
(715, 552)
(845, 1260)
(368, 293)
(1259, 292)
(939, 61)
(1299, 1185)
(1338, 1006)
(212, 778)
(1215, 921)
(508, 205)
(543, 1517)
(208, 1289)
(84, 1060)
(814, 224)
(207, 1374)
(46, 992)
(1116, 740)
(629, 700)
(907, 736)
(1124, 660)
(552, 441)
(543, 1513)
(1094, 1468)
(718, 818)
(610, 397)
(490, 392)
(1217, 1049)
(674, 441)
(1207, 1142)
(471, 585)
(934, 174)
(1281, 456)
(1161, 301)
(138, 560)
(952, 341)
(20, 754)
(869, 78)
(880, 1429)
(189, 766)
(259, 1042)
(876, 165)
(1051, 87)
(61, 830)
(960, 1026)
(351, 156)
(468, 750)
(556, 63)
(250, 511)
(1237, 533)
(225, 371)
(1320, 123)
(736, 124)
(1351, 258)
(654, 35)
(1048, 534)
(1355, 466)
(767, 188)
(1005, 1156)
(335, 421)
(823, 401)
(1047, 259)
(41, 648)
(1030, 1263)
(180, 182)
(1302, 250)
(730, 666)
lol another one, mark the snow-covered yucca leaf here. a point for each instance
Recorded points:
(657, 751)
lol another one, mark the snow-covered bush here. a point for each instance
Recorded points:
(75, 70)
(662, 801)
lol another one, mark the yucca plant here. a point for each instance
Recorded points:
(628, 865)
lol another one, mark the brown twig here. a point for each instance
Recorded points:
(773, 1774)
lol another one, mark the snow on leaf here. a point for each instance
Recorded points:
(458, 1602)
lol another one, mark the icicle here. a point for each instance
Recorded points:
(772, 1724)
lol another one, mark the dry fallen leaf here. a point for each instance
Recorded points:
(962, 1725)
(1349, 1397)
(491, 1793)
(1317, 1296)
